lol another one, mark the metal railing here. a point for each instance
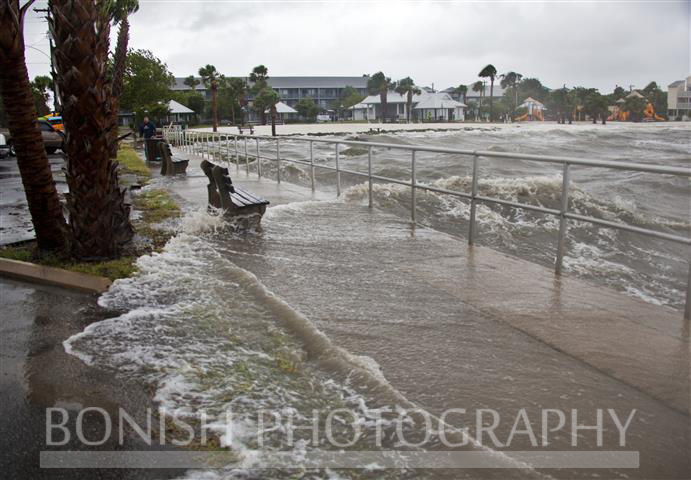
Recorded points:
(209, 145)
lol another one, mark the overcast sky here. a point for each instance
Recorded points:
(600, 44)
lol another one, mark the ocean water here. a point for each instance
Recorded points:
(258, 320)
(651, 269)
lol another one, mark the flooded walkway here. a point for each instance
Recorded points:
(452, 326)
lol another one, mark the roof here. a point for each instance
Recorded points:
(291, 82)
(634, 93)
(530, 100)
(676, 84)
(176, 107)
(438, 100)
(179, 84)
(359, 106)
(283, 108)
(317, 82)
(391, 97)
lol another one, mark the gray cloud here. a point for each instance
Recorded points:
(597, 44)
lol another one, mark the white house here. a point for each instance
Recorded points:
(425, 106)
(179, 113)
(439, 107)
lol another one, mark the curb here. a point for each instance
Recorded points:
(53, 276)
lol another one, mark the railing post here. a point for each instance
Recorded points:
(369, 175)
(247, 159)
(259, 161)
(312, 164)
(207, 145)
(562, 220)
(237, 155)
(473, 202)
(687, 307)
(338, 174)
(228, 150)
(278, 161)
(413, 182)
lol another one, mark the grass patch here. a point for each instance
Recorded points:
(131, 163)
(156, 205)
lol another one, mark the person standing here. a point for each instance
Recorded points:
(147, 130)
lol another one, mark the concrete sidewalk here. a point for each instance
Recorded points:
(453, 326)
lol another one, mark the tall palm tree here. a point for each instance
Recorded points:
(479, 87)
(380, 84)
(490, 72)
(237, 90)
(119, 10)
(511, 79)
(99, 217)
(210, 77)
(18, 100)
(259, 76)
(461, 91)
(407, 87)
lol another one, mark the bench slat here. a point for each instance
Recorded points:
(250, 197)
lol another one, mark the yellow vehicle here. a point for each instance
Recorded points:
(55, 121)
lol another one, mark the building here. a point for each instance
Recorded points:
(679, 99)
(426, 106)
(472, 96)
(323, 90)
(179, 113)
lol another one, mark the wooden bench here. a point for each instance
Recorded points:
(171, 165)
(246, 126)
(223, 194)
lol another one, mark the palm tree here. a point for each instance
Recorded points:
(259, 76)
(489, 72)
(236, 89)
(18, 100)
(267, 99)
(191, 82)
(99, 217)
(461, 91)
(512, 79)
(479, 87)
(210, 77)
(380, 84)
(119, 10)
(407, 87)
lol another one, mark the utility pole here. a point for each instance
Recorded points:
(56, 95)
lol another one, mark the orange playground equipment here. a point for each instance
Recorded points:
(535, 114)
(649, 112)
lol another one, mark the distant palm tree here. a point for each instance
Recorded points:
(191, 82)
(259, 76)
(210, 77)
(479, 87)
(407, 87)
(512, 79)
(380, 84)
(37, 179)
(461, 91)
(490, 72)
(237, 89)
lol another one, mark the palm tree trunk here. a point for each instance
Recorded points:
(382, 99)
(214, 108)
(273, 120)
(99, 217)
(409, 105)
(34, 168)
(232, 113)
(119, 62)
(491, 99)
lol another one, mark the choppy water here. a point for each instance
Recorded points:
(202, 326)
(653, 270)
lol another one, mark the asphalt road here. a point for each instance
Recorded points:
(15, 222)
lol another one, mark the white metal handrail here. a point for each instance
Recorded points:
(203, 142)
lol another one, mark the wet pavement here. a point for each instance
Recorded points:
(15, 223)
